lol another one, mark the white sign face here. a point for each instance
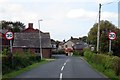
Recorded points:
(9, 35)
(112, 35)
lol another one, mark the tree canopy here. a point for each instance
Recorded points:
(105, 27)
(14, 26)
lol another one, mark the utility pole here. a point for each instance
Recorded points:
(98, 33)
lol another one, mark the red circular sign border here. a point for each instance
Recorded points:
(7, 38)
(115, 35)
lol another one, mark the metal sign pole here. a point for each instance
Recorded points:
(11, 46)
(110, 44)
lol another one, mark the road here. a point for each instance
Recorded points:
(63, 67)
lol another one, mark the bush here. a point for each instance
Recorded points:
(5, 51)
(18, 61)
(78, 53)
(116, 65)
(107, 61)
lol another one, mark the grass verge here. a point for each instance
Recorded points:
(15, 73)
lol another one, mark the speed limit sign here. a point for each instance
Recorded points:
(9, 35)
(112, 35)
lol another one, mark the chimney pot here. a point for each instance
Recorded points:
(30, 25)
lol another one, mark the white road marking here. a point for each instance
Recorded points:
(62, 68)
(64, 63)
(61, 76)
(67, 60)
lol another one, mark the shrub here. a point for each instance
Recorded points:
(107, 61)
(116, 65)
(76, 53)
(5, 51)
(18, 61)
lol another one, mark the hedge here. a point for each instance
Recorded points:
(108, 62)
(18, 61)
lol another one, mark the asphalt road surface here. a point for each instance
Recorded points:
(63, 67)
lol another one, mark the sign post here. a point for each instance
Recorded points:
(9, 36)
(111, 36)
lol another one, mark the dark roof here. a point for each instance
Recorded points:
(32, 40)
(75, 40)
(79, 46)
(53, 41)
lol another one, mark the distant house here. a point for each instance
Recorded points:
(29, 40)
(61, 46)
(53, 45)
(74, 44)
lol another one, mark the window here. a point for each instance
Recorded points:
(37, 50)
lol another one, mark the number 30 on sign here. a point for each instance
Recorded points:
(9, 35)
(112, 35)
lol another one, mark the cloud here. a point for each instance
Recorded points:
(81, 13)
(85, 14)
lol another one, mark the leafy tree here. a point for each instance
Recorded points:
(84, 38)
(14, 26)
(105, 27)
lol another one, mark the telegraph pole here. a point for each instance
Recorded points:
(98, 33)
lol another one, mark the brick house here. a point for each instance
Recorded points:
(28, 40)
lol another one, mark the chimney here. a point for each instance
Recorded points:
(30, 25)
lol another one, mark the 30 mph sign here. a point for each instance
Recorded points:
(112, 35)
(9, 35)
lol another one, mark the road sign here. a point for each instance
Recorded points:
(112, 35)
(9, 35)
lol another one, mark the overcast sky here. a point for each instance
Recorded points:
(62, 18)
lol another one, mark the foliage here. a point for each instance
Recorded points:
(5, 51)
(18, 61)
(84, 38)
(105, 27)
(76, 53)
(105, 61)
(14, 26)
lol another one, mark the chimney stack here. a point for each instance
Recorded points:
(30, 25)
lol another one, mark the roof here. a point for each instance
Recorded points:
(32, 40)
(79, 46)
(75, 40)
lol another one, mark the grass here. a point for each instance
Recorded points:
(15, 73)
(107, 72)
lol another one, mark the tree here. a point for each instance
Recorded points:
(84, 38)
(14, 26)
(105, 27)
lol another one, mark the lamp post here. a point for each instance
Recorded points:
(40, 39)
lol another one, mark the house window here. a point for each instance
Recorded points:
(25, 49)
(37, 50)
(66, 46)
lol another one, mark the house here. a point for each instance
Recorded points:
(61, 46)
(53, 45)
(29, 40)
(74, 44)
